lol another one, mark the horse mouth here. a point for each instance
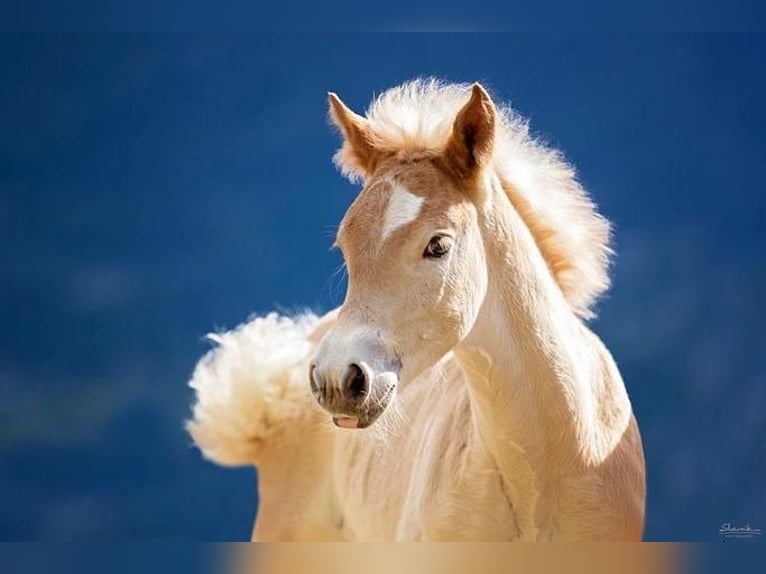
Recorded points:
(355, 422)
(347, 422)
(366, 416)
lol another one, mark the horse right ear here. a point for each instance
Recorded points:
(471, 143)
(357, 157)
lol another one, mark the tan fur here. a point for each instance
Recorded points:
(510, 420)
(547, 241)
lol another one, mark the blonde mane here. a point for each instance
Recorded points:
(572, 237)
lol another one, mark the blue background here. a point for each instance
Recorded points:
(155, 188)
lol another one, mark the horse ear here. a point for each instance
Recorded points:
(357, 156)
(473, 134)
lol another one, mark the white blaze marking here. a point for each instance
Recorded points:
(403, 207)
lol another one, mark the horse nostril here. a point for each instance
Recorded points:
(312, 379)
(356, 381)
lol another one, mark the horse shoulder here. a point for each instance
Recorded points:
(462, 493)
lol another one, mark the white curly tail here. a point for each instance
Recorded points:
(251, 387)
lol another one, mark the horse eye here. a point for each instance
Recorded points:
(437, 247)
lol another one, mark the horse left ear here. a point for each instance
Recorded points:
(470, 146)
(358, 156)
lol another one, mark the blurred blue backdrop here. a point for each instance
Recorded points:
(153, 189)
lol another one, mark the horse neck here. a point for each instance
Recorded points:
(537, 375)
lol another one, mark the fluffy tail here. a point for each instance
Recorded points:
(251, 386)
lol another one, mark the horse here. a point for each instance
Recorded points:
(458, 392)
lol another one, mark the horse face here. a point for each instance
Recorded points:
(417, 278)
(416, 262)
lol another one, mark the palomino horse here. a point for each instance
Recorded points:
(468, 398)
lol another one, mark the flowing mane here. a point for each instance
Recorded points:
(417, 117)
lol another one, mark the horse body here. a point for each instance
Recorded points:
(397, 488)
(494, 412)
(434, 480)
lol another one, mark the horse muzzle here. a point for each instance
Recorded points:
(354, 395)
